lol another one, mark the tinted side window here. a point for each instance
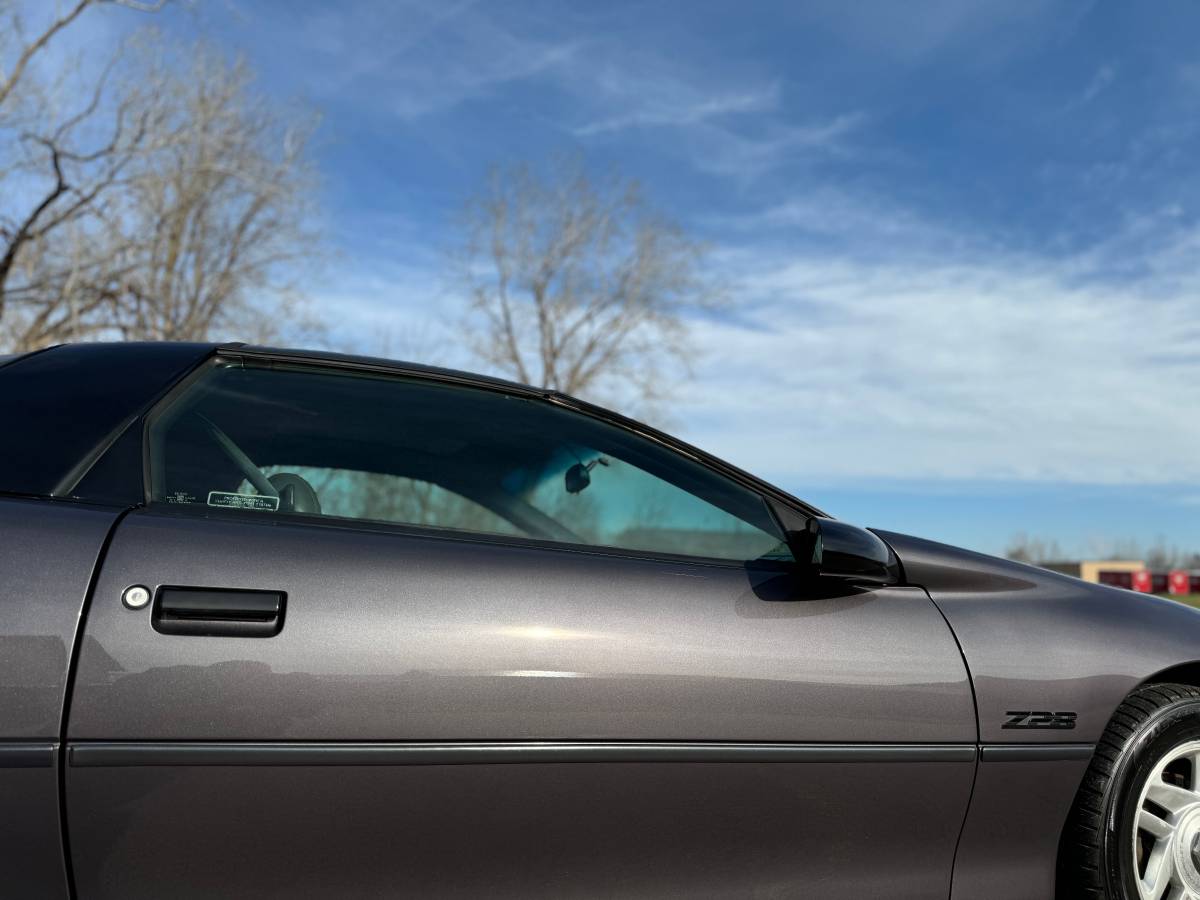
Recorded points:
(278, 440)
(383, 497)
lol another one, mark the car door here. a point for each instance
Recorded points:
(56, 407)
(410, 635)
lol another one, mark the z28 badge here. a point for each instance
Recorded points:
(1039, 719)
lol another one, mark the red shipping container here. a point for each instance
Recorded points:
(1117, 579)
(1179, 582)
(1142, 581)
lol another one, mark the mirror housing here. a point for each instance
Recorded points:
(827, 548)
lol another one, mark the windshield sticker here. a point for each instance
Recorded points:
(242, 501)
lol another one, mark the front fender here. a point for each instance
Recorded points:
(1037, 641)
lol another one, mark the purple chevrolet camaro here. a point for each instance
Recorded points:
(277, 623)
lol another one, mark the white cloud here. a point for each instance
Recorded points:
(1100, 82)
(725, 123)
(977, 365)
(415, 57)
(401, 310)
(855, 217)
(676, 107)
(747, 155)
(482, 66)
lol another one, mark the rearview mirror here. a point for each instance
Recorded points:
(832, 549)
(579, 476)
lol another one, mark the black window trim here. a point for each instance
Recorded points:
(228, 355)
(138, 420)
(65, 490)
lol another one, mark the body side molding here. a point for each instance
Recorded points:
(27, 755)
(107, 753)
(1035, 752)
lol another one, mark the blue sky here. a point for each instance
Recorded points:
(962, 235)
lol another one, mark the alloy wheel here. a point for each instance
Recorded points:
(1166, 828)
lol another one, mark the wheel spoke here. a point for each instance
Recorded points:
(1160, 828)
(1194, 759)
(1171, 797)
(1160, 870)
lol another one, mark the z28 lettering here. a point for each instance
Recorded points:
(1039, 719)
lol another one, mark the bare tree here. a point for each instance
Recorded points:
(57, 161)
(29, 48)
(1034, 550)
(578, 285)
(164, 204)
(223, 208)
(1160, 555)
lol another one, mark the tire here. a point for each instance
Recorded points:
(1134, 828)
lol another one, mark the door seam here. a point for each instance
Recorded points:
(68, 691)
(962, 828)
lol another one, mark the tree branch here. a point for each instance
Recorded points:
(31, 50)
(24, 230)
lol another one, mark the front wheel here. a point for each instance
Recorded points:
(1134, 831)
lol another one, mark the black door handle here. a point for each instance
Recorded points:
(212, 612)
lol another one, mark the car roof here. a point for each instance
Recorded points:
(123, 348)
(382, 362)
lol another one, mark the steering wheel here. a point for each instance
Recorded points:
(246, 465)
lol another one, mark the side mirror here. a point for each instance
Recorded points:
(832, 549)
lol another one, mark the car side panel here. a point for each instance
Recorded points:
(557, 830)
(390, 637)
(1035, 640)
(47, 553)
(1009, 845)
(31, 860)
